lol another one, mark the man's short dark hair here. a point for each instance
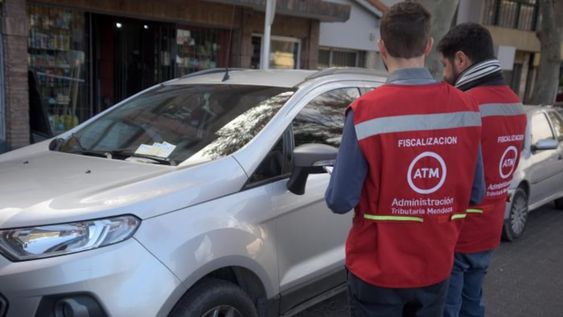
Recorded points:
(405, 29)
(473, 39)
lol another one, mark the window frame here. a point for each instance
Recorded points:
(331, 50)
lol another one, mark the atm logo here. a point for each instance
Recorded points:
(508, 162)
(427, 173)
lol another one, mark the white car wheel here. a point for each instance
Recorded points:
(516, 222)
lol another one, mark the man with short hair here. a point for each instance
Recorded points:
(469, 64)
(407, 164)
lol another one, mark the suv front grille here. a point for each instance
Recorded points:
(3, 306)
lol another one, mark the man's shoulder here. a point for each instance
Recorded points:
(494, 94)
(457, 95)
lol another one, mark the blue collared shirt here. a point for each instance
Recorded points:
(350, 170)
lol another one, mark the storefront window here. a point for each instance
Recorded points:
(57, 69)
(199, 49)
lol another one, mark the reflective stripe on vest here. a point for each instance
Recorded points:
(406, 218)
(419, 122)
(501, 109)
(392, 218)
(458, 216)
(474, 211)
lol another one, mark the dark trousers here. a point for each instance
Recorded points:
(368, 300)
(465, 292)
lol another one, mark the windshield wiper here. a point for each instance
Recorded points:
(105, 154)
(76, 147)
(57, 145)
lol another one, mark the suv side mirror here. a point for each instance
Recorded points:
(545, 144)
(309, 159)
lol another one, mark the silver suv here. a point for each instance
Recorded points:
(183, 200)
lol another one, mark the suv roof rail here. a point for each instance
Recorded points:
(347, 70)
(210, 71)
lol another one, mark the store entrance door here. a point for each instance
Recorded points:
(131, 55)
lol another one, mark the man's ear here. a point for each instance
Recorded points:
(461, 61)
(428, 46)
(382, 49)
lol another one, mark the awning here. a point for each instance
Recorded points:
(312, 9)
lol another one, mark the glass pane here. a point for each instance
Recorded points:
(200, 49)
(322, 119)
(283, 54)
(199, 122)
(57, 69)
(272, 165)
(508, 14)
(256, 47)
(343, 59)
(361, 59)
(526, 18)
(365, 90)
(489, 12)
(324, 58)
(540, 128)
(557, 124)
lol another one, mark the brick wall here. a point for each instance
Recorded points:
(15, 34)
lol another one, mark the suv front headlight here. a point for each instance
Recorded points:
(46, 241)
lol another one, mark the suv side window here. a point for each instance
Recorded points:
(274, 165)
(322, 119)
(540, 128)
(557, 123)
(364, 90)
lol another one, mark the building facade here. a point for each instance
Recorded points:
(512, 24)
(352, 43)
(66, 60)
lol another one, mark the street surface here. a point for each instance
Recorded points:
(525, 278)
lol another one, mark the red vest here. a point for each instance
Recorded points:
(503, 128)
(421, 144)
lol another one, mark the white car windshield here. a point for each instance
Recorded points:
(172, 124)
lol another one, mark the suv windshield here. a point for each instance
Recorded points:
(171, 124)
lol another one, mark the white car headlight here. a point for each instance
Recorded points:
(46, 241)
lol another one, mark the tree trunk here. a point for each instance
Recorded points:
(443, 13)
(547, 81)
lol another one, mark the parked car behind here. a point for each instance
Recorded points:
(175, 202)
(539, 177)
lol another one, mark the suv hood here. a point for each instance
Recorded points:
(54, 187)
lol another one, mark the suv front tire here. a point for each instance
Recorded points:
(215, 298)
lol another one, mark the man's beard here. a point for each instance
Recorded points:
(454, 78)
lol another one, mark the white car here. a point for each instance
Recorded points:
(539, 177)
